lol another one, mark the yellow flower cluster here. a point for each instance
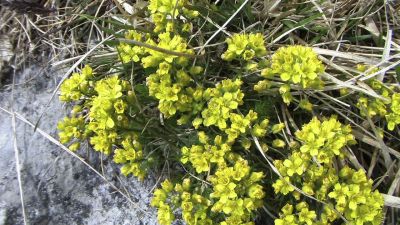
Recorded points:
(324, 140)
(164, 12)
(234, 195)
(294, 65)
(195, 207)
(222, 100)
(302, 216)
(297, 64)
(170, 42)
(129, 53)
(221, 103)
(149, 57)
(393, 118)
(214, 156)
(171, 83)
(73, 89)
(203, 156)
(72, 128)
(245, 47)
(108, 112)
(77, 85)
(371, 106)
(131, 156)
(165, 215)
(104, 117)
(236, 192)
(355, 200)
(310, 167)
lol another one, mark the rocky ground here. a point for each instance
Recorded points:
(58, 188)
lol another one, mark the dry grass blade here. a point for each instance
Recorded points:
(392, 201)
(284, 34)
(395, 183)
(345, 55)
(270, 6)
(353, 87)
(374, 143)
(386, 51)
(382, 71)
(18, 168)
(126, 6)
(222, 27)
(384, 149)
(16, 153)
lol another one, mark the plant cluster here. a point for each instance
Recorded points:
(387, 107)
(105, 115)
(231, 197)
(244, 47)
(172, 81)
(294, 65)
(210, 125)
(164, 12)
(311, 168)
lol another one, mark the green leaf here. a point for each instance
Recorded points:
(397, 69)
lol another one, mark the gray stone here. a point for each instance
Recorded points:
(58, 188)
